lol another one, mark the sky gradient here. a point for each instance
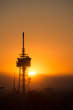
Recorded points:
(48, 27)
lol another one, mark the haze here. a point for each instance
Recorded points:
(48, 27)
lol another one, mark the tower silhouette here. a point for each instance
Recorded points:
(22, 63)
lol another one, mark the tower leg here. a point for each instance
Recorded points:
(29, 84)
(19, 80)
(23, 88)
(14, 88)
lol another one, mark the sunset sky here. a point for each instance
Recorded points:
(48, 27)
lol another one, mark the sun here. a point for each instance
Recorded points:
(31, 73)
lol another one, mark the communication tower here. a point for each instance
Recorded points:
(23, 62)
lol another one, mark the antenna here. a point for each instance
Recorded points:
(23, 49)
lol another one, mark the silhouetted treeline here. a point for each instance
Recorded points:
(34, 100)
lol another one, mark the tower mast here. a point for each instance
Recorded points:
(22, 63)
(23, 49)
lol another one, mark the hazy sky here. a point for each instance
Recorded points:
(48, 27)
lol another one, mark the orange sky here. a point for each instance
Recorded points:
(48, 27)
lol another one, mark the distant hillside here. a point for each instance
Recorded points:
(40, 82)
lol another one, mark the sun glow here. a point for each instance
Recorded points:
(31, 73)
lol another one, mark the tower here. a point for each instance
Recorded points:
(22, 63)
